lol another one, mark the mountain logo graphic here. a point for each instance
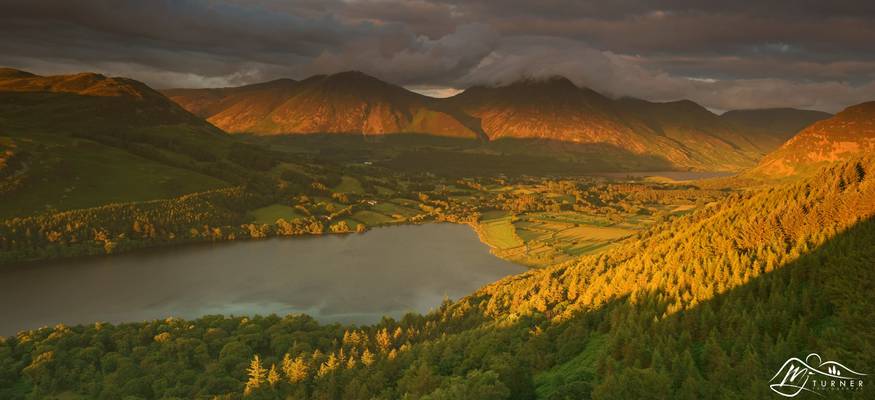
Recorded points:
(815, 376)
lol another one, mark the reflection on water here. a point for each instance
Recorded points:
(353, 279)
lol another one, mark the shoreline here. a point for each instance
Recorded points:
(171, 244)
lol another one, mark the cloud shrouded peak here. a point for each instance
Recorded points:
(721, 54)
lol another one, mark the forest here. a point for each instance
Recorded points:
(704, 304)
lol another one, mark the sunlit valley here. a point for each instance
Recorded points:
(316, 232)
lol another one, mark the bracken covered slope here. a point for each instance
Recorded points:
(348, 102)
(849, 133)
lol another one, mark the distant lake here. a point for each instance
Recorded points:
(673, 175)
(354, 278)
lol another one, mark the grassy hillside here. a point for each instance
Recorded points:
(63, 173)
(87, 140)
(706, 305)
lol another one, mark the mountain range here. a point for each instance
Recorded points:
(348, 102)
(552, 110)
(181, 122)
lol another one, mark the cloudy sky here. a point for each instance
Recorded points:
(813, 54)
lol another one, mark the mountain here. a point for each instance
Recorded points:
(347, 102)
(75, 141)
(526, 116)
(260, 98)
(847, 134)
(769, 128)
(89, 99)
(555, 109)
(551, 111)
(701, 137)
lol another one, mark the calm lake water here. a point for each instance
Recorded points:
(352, 278)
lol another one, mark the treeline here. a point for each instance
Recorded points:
(261, 357)
(213, 215)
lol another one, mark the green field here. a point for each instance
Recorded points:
(389, 208)
(273, 212)
(500, 233)
(406, 203)
(371, 218)
(572, 218)
(593, 233)
(352, 223)
(349, 185)
(552, 238)
(493, 214)
(384, 191)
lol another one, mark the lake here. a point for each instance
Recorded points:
(354, 278)
(673, 175)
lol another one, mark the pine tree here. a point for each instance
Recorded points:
(295, 370)
(257, 375)
(384, 340)
(367, 358)
(273, 377)
(329, 366)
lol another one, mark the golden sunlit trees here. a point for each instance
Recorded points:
(367, 358)
(273, 377)
(296, 370)
(384, 340)
(257, 375)
(329, 366)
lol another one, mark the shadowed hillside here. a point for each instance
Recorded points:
(770, 128)
(258, 99)
(86, 140)
(87, 101)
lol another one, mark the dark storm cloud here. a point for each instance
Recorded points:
(725, 54)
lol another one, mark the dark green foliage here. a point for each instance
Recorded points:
(213, 215)
(251, 156)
